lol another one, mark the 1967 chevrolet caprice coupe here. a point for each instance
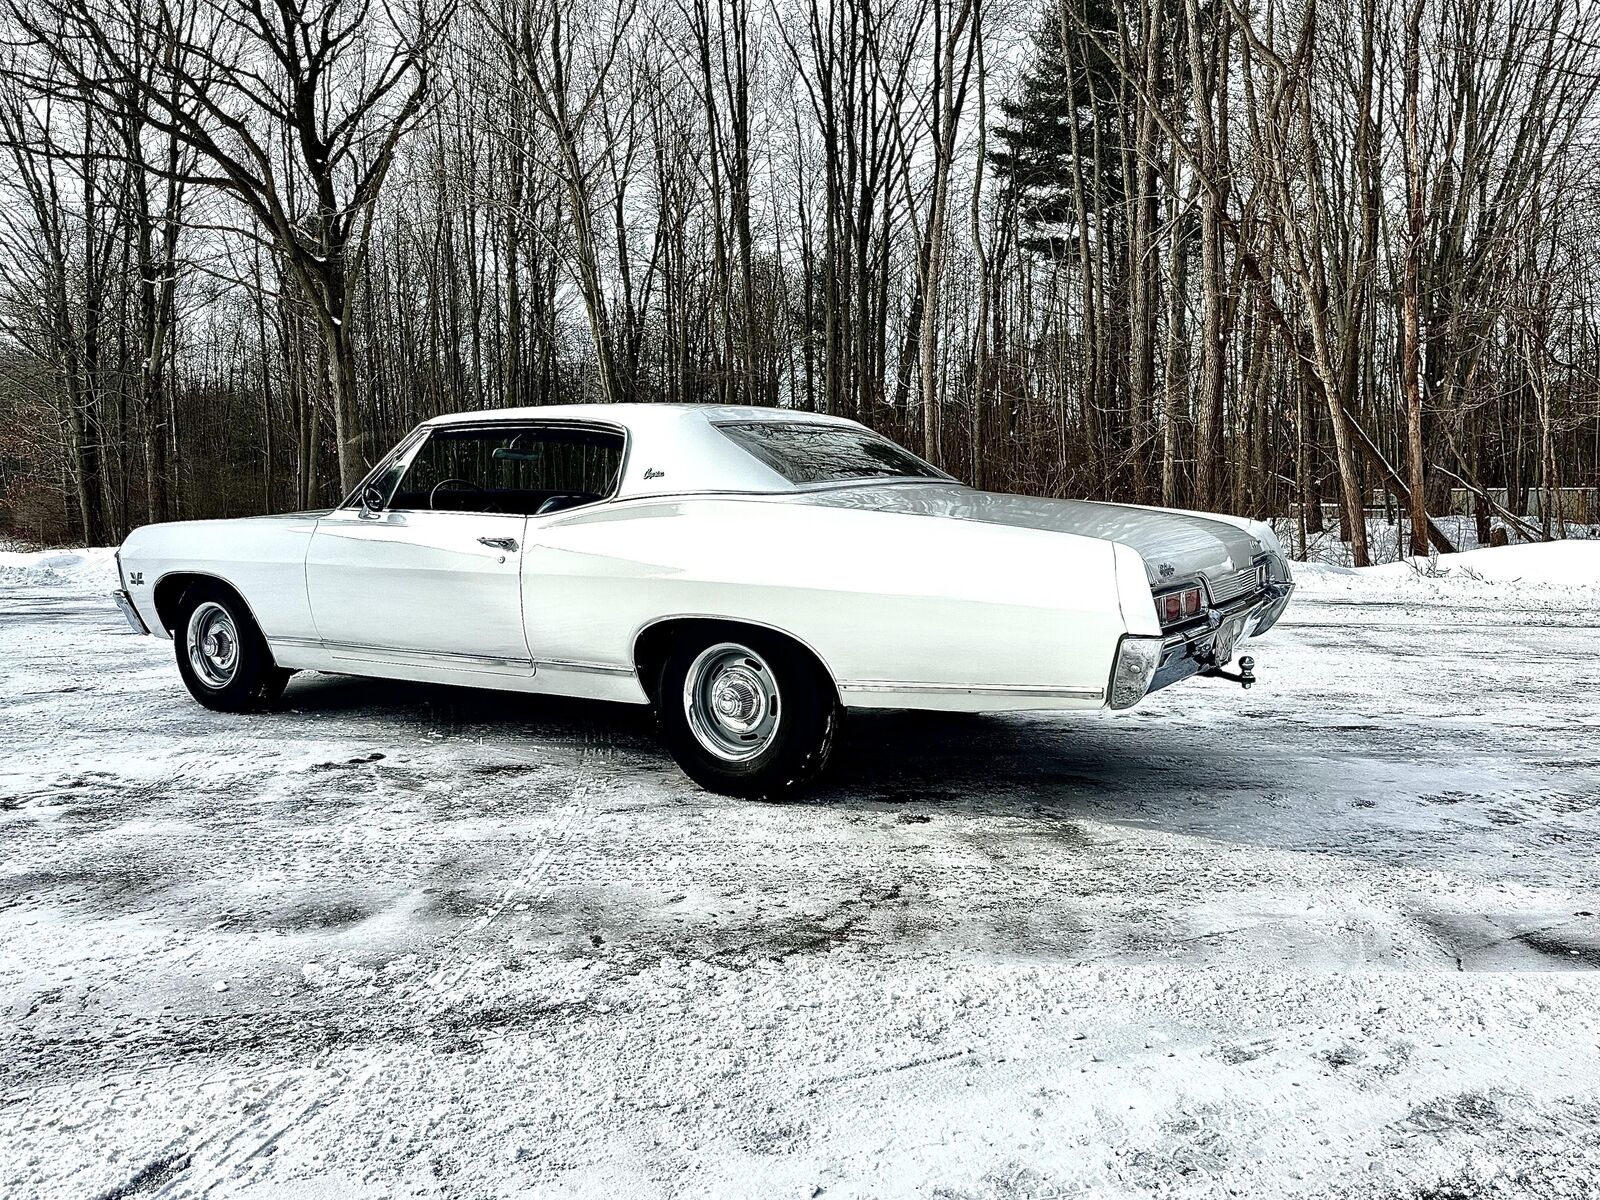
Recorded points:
(752, 573)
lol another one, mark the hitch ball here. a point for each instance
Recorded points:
(1247, 670)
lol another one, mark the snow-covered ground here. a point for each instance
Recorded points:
(1335, 936)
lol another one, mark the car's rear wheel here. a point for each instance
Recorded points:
(746, 713)
(222, 656)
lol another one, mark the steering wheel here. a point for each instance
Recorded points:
(433, 492)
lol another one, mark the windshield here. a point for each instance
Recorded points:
(809, 452)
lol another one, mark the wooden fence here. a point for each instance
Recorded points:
(1578, 505)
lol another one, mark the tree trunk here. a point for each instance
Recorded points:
(1410, 323)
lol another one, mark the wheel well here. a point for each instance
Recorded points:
(654, 644)
(170, 590)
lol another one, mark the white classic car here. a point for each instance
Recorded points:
(750, 572)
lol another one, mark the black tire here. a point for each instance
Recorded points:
(776, 762)
(234, 672)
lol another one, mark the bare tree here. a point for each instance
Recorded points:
(295, 108)
(1216, 254)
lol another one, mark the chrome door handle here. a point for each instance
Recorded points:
(499, 543)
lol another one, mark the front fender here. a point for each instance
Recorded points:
(261, 558)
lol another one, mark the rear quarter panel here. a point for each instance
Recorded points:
(262, 558)
(880, 597)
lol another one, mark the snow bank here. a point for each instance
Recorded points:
(1543, 581)
(1564, 574)
(90, 568)
(1558, 564)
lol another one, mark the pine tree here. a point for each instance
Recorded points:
(1037, 158)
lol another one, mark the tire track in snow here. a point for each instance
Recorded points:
(225, 1156)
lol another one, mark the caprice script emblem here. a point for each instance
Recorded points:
(652, 473)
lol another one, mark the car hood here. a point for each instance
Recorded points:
(1174, 545)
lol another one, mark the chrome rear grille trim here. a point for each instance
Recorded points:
(1237, 584)
(1234, 586)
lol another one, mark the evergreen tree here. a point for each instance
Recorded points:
(1037, 158)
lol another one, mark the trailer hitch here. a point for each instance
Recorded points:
(1245, 677)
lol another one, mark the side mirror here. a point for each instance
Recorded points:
(371, 501)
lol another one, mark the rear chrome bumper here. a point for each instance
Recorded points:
(1212, 643)
(125, 603)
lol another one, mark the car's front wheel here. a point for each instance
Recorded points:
(746, 713)
(222, 656)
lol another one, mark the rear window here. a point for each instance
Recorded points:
(814, 453)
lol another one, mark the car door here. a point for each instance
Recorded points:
(433, 576)
(564, 587)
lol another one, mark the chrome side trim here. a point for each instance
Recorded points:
(451, 658)
(427, 658)
(433, 658)
(961, 689)
(585, 668)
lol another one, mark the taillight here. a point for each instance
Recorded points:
(1181, 605)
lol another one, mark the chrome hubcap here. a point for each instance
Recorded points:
(731, 699)
(213, 644)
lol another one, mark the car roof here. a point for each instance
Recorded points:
(630, 415)
(673, 449)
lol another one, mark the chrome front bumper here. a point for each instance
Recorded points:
(125, 603)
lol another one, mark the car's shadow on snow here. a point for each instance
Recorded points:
(452, 710)
(1027, 764)
(1006, 764)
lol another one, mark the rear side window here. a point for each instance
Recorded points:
(814, 453)
(523, 470)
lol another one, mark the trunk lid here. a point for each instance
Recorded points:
(1174, 545)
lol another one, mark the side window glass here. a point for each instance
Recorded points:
(525, 470)
(390, 478)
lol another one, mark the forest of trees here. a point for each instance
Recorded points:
(1270, 256)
